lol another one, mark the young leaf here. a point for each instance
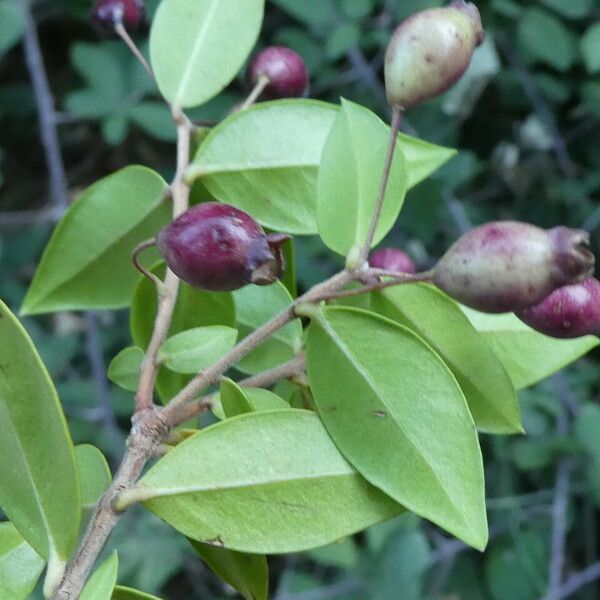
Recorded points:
(527, 356)
(440, 322)
(12, 23)
(255, 306)
(195, 349)
(350, 177)
(270, 482)
(194, 308)
(258, 399)
(233, 399)
(39, 484)
(94, 474)
(101, 584)
(124, 368)
(198, 46)
(398, 415)
(20, 564)
(422, 158)
(247, 573)
(87, 263)
(124, 593)
(264, 160)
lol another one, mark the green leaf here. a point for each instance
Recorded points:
(87, 263)
(198, 47)
(341, 39)
(527, 356)
(422, 158)
(20, 565)
(124, 368)
(247, 573)
(94, 474)
(155, 118)
(125, 593)
(440, 322)
(258, 399)
(398, 415)
(194, 308)
(590, 48)
(233, 399)
(39, 485)
(271, 482)
(101, 584)
(311, 12)
(350, 177)
(587, 430)
(574, 9)
(536, 27)
(255, 305)
(12, 24)
(195, 349)
(264, 160)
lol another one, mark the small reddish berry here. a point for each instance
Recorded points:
(285, 70)
(568, 312)
(392, 259)
(429, 51)
(108, 13)
(507, 266)
(218, 247)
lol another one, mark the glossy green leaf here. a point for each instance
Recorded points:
(247, 573)
(350, 177)
(233, 399)
(264, 160)
(440, 322)
(194, 308)
(422, 158)
(12, 23)
(101, 584)
(398, 415)
(195, 349)
(94, 474)
(125, 593)
(527, 356)
(197, 48)
(270, 482)
(124, 368)
(20, 564)
(254, 306)
(87, 263)
(258, 399)
(39, 484)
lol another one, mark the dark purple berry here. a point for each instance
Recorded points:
(429, 52)
(285, 70)
(218, 247)
(106, 14)
(568, 312)
(507, 266)
(392, 259)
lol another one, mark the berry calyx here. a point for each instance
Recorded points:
(218, 247)
(107, 14)
(283, 70)
(568, 312)
(392, 259)
(429, 51)
(506, 266)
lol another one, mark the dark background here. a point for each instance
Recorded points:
(526, 119)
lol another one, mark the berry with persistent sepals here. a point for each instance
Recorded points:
(429, 51)
(218, 247)
(506, 266)
(285, 70)
(568, 312)
(392, 259)
(106, 14)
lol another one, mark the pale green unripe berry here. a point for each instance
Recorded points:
(429, 51)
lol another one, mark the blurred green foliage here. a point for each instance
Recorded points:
(526, 119)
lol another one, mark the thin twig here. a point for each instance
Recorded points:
(579, 580)
(261, 84)
(122, 33)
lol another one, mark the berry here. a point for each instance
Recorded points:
(285, 69)
(429, 51)
(506, 266)
(392, 259)
(568, 312)
(218, 247)
(106, 14)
